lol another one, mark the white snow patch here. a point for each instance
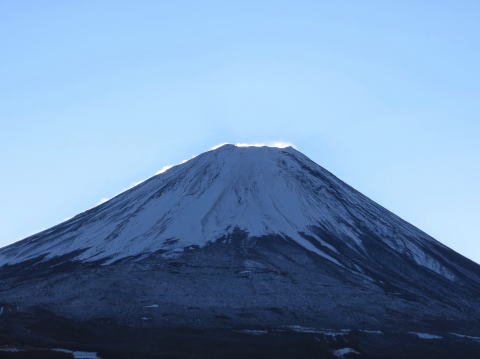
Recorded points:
(328, 332)
(426, 335)
(300, 329)
(426, 260)
(340, 353)
(466, 336)
(163, 169)
(102, 200)
(371, 331)
(134, 184)
(78, 354)
(332, 333)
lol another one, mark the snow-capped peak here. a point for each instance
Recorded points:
(262, 190)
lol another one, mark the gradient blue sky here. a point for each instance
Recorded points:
(96, 95)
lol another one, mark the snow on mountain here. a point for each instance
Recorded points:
(260, 190)
(256, 244)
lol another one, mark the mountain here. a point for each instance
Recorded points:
(257, 241)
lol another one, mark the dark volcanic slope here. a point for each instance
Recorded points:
(245, 237)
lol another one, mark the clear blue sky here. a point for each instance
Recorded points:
(96, 95)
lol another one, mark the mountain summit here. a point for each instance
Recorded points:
(247, 236)
(259, 190)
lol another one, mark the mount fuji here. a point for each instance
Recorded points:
(241, 244)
